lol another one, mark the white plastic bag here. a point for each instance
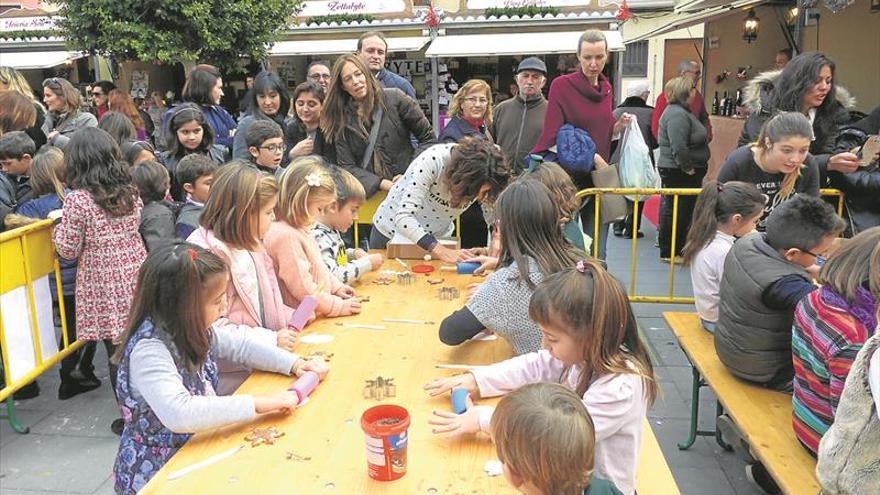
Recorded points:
(636, 169)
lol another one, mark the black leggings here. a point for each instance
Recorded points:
(675, 179)
(88, 356)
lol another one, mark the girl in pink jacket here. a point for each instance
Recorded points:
(235, 219)
(592, 346)
(306, 190)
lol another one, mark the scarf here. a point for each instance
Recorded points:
(863, 308)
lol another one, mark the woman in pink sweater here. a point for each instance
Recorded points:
(306, 190)
(585, 100)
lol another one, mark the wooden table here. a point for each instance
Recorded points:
(327, 429)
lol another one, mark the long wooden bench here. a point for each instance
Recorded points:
(653, 475)
(763, 416)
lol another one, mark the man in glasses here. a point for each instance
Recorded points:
(372, 50)
(319, 73)
(691, 69)
(99, 96)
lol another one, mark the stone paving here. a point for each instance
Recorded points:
(71, 449)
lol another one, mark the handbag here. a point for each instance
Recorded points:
(575, 149)
(612, 207)
(636, 169)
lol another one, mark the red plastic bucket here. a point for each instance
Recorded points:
(386, 427)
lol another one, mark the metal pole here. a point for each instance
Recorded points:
(435, 96)
(799, 27)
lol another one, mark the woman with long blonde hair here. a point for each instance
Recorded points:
(13, 80)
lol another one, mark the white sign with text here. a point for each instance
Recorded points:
(315, 8)
(26, 23)
(501, 4)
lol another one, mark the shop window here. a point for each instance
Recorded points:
(635, 60)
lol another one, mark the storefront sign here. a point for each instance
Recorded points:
(501, 4)
(315, 8)
(408, 68)
(26, 23)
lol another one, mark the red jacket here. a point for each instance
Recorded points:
(573, 100)
(698, 108)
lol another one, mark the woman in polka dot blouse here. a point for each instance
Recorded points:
(439, 184)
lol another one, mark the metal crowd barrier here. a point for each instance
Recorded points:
(28, 339)
(637, 195)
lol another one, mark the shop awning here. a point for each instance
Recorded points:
(484, 45)
(335, 47)
(678, 21)
(38, 60)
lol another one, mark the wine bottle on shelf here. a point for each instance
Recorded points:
(739, 101)
(723, 108)
(715, 104)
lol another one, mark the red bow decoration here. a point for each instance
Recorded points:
(432, 20)
(623, 13)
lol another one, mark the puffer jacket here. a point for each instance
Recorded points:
(861, 188)
(757, 96)
(393, 150)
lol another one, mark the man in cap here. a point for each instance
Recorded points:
(517, 122)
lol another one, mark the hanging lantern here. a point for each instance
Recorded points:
(750, 27)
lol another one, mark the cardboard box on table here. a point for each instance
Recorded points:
(405, 249)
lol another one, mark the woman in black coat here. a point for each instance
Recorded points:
(807, 85)
(861, 188)
(355, 104)
(304, 132)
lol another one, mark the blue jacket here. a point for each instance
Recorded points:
(458, 128)
(218, 118)
(40, 208)
(392, 80)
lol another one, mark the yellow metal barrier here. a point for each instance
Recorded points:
(27, 259)
(636, 195)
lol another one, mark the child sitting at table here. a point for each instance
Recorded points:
(532, 247)
(831, 324)
(232, 225)
(592, 346)
(347, 265)
(765, 276)
(723, 214)
(559, 460)
(166, 357)
(307, 190)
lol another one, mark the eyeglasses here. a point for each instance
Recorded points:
(273, 148)
(820, 259)
(52, 81)
(325, 77)
(476, 100)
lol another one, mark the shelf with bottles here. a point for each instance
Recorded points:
(729, 105)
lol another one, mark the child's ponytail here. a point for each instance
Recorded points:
(716, 204)
(593, 306)
(170, 292)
